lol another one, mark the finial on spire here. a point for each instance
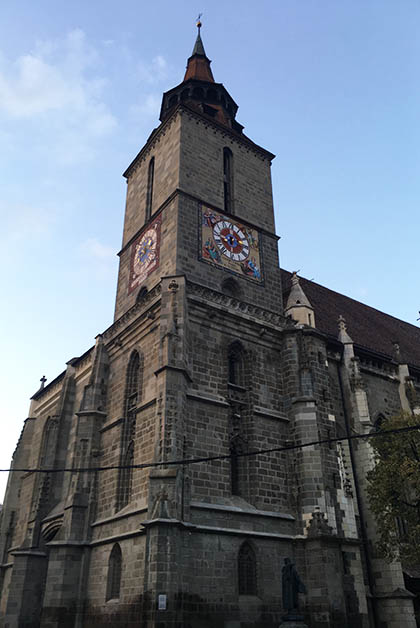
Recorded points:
(343, 334)
(198, 23)
(295, 278)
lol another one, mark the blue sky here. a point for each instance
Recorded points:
(330, 86)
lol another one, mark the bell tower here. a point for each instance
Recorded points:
(199, 198)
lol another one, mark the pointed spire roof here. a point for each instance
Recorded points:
(297, 295)
(199, 47)
(343, 334)
(198, 66)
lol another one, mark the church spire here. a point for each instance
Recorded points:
(198, 47)
(199, 91)
(198, 66)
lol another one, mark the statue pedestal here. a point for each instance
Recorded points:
(293, 621)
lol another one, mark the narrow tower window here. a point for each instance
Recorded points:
(247, 570)
(236, 364)
(114, 573)
(149, 197)
(228, 179)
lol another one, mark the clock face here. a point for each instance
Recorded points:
(230, 245)
(145, 254)
(231, 241)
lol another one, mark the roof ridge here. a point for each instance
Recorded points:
(400, 320)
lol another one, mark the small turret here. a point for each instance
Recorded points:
(298, 305)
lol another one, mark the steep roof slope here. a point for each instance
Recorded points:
(369, 328)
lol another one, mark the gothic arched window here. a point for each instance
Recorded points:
(113, 584)
(228, 179)
(141, 294)
(247, 570)
(133, 392)
(149, 195)
(230, 288)
(133, 383)
(236, 364)
(126, 476)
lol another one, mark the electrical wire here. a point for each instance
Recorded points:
(188, 461)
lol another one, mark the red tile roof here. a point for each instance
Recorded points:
(368, 328)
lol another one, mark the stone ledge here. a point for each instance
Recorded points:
(206, 398)
(119, 515)
(242, 511)
(239, 532)
(271, 414)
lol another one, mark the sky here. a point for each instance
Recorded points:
(330, 86)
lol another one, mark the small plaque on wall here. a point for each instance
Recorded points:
(230, 245)
(145, 254)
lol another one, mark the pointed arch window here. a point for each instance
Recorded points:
(228, 179)
(133, 392)
(149, 195)
(236, 373)
(113, 584)
(247, 570)
(126, 477)
(133, 383)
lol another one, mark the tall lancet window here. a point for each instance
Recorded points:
(149, 195)
(132, 396)
(113, 584)
(247, 570)
(228, 179)
(236, 373)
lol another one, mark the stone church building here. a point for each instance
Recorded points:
(215, 354)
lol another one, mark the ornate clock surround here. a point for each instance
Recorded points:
(145, 252)
(228, 244)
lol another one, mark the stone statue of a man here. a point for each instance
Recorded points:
(292, 585)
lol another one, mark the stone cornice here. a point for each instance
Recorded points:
(239, 139)
(153, 139)
(138, 309)
(209, 296)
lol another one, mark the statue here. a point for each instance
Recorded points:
(292, 585)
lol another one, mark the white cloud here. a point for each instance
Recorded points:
(22, 222)
(153, 72)
(57, 87)
(96, 250)
(101, 258)
(149, 107)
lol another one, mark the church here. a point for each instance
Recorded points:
(176, 483)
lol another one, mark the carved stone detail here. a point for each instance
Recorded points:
(209, 295)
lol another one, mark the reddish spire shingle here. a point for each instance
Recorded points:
(198, 64)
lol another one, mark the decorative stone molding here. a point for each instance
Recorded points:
(139, 308)
(207, 295)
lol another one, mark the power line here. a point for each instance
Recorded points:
(188, 461)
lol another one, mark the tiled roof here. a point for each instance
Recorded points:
(368, 328)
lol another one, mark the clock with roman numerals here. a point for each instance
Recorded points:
(230, 245)
(231, 240)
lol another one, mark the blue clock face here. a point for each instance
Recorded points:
(145, 253)
(144, 257)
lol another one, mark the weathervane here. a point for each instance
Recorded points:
(198, 24)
